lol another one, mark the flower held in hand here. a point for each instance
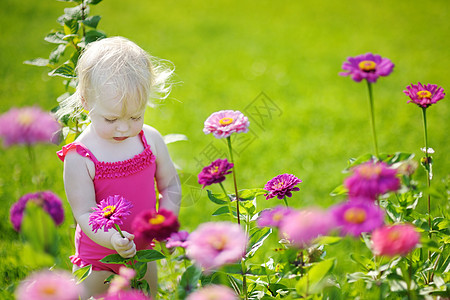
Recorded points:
(110, 212)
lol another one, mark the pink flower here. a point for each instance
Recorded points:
(178, 239)
(152, 224)
(395, 240)
(215, 244)
(213, 291)
(302, 227)
(215, 172)
(226, 122)
(126, 295)
(48, 200)
(370, 180)
(109, 212)
(28, 125)
(122, 281)
(367, 66)
(48, 285)
(281, 186)
(355, 217)
(424, 95)
(273, 217)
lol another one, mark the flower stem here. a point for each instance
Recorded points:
(229, 202)
(230, 149)
(119, 230)
(285, 201)
(427, 169)
(372, 119)
(32, 156)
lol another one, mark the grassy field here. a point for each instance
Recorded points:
(239, 55)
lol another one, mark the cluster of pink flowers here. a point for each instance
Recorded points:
(367, 66)
(281, 186)
(109, 212)
(224, 123)
(424, 95)
(158, 225)
(215, 172)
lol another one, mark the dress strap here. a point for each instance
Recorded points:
(143, 139)
(80, 148)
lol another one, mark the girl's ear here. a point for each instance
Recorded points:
(84, 103)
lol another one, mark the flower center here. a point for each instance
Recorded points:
(355, 215)
(157, 220)
(393, 235)
(277, 217)
(214, 170)
(108, 210)
(226, 121)
(367, 65)
(369, 171)
(423, 94)
(48, 290)
(25, 118)
(279, 185)
(218, 242)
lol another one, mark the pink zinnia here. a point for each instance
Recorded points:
(273, 217)
(424, 95)
(370, 180)
(121, 281)
(178, 239)
(49, 285)
(281, 186)
(47, 200)
(226, 122)
(367, 66)
(302, 227)
(110, 212)
(28, 125)
(126, 295)
(152, 224)
(355, 217)
(215, 244)
(395, 240)
(215, 172)
(213, 291)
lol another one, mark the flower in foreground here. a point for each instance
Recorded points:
(303, 226)
(109, 212)
(126, 295)
(51, 203)
(281, 186)
(178, 239)
(367, 66)
(213, 291)
(121, 281)
(152, 224)
(355, 217)
(424, 95)
(226, 122)
(215, 172)
(215, 244)
(395, 240)
(28, 125)
(273, 217)
(371, 179)
(48, 285)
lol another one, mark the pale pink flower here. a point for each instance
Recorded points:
(273, 217)
(122, 280)
(178, 239)
(226, 122)
(126, 295)
(399, 239)
(213, 292)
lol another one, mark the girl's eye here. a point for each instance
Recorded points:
(136, 118)
(110, 120)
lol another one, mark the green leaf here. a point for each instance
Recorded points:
(340, 190)
(148, 255)
(328, 240)
(396, 157)
(66, 70)
(56, 53)
(217, 198)
(94, 35)
(114, 259)
(92, 21)
(75, 13)
(257, 240)
(40, 62)
(311, 283)
(221, 211)
(250, 194)
(71, 27)
(93, 2)
(366, 263)
(189, 281)
(353, 162)
(56, 38)
(82, 273)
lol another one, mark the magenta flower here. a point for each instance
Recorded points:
(281, 186)
(158, 225)
(109, 212)
(49, 285)
(47, 200)
(213, 291)
(372, 179)
(395, 240)
(273, 217)
(367, 66)
(215, 172)
(178, 239)
(355, 217)
(424, 95)
(28, 125)
(226, 122)
(126, 295)
(215, 244)
(122, 281)
(302, 227)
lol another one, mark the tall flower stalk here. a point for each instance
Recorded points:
(427, 166)
(372, 120)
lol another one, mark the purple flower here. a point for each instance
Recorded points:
(371, 179)
(215, 172)
(225, 122)
(424, 95)
(215, 244)
(48, 200)
(28, 125)
(213, 291)
(281, 186)
(273, 217)
(355, 217)
(49, 285)
(302, 227)
(152, 224)
(178, 239)
(367, 66)
(109, 212)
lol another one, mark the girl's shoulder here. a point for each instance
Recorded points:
(153, 137)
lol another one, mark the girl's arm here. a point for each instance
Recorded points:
(81, 196)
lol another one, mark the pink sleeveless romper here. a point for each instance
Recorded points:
(133, 179)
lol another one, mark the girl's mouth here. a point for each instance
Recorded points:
(120, 138)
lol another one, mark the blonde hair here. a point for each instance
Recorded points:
(119, 66)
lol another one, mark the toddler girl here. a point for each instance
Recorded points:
(117, 154)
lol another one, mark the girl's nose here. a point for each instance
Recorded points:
(122, 126)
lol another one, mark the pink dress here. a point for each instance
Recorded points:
(133, 179)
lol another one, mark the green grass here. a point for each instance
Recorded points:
(226, 53)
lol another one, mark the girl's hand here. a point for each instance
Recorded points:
(125, 247)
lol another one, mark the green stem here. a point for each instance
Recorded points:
(230, 149)
(425, 135)
(372, 119)
(34, 168)
(119, 230)
(229, 202)
(285, 201)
